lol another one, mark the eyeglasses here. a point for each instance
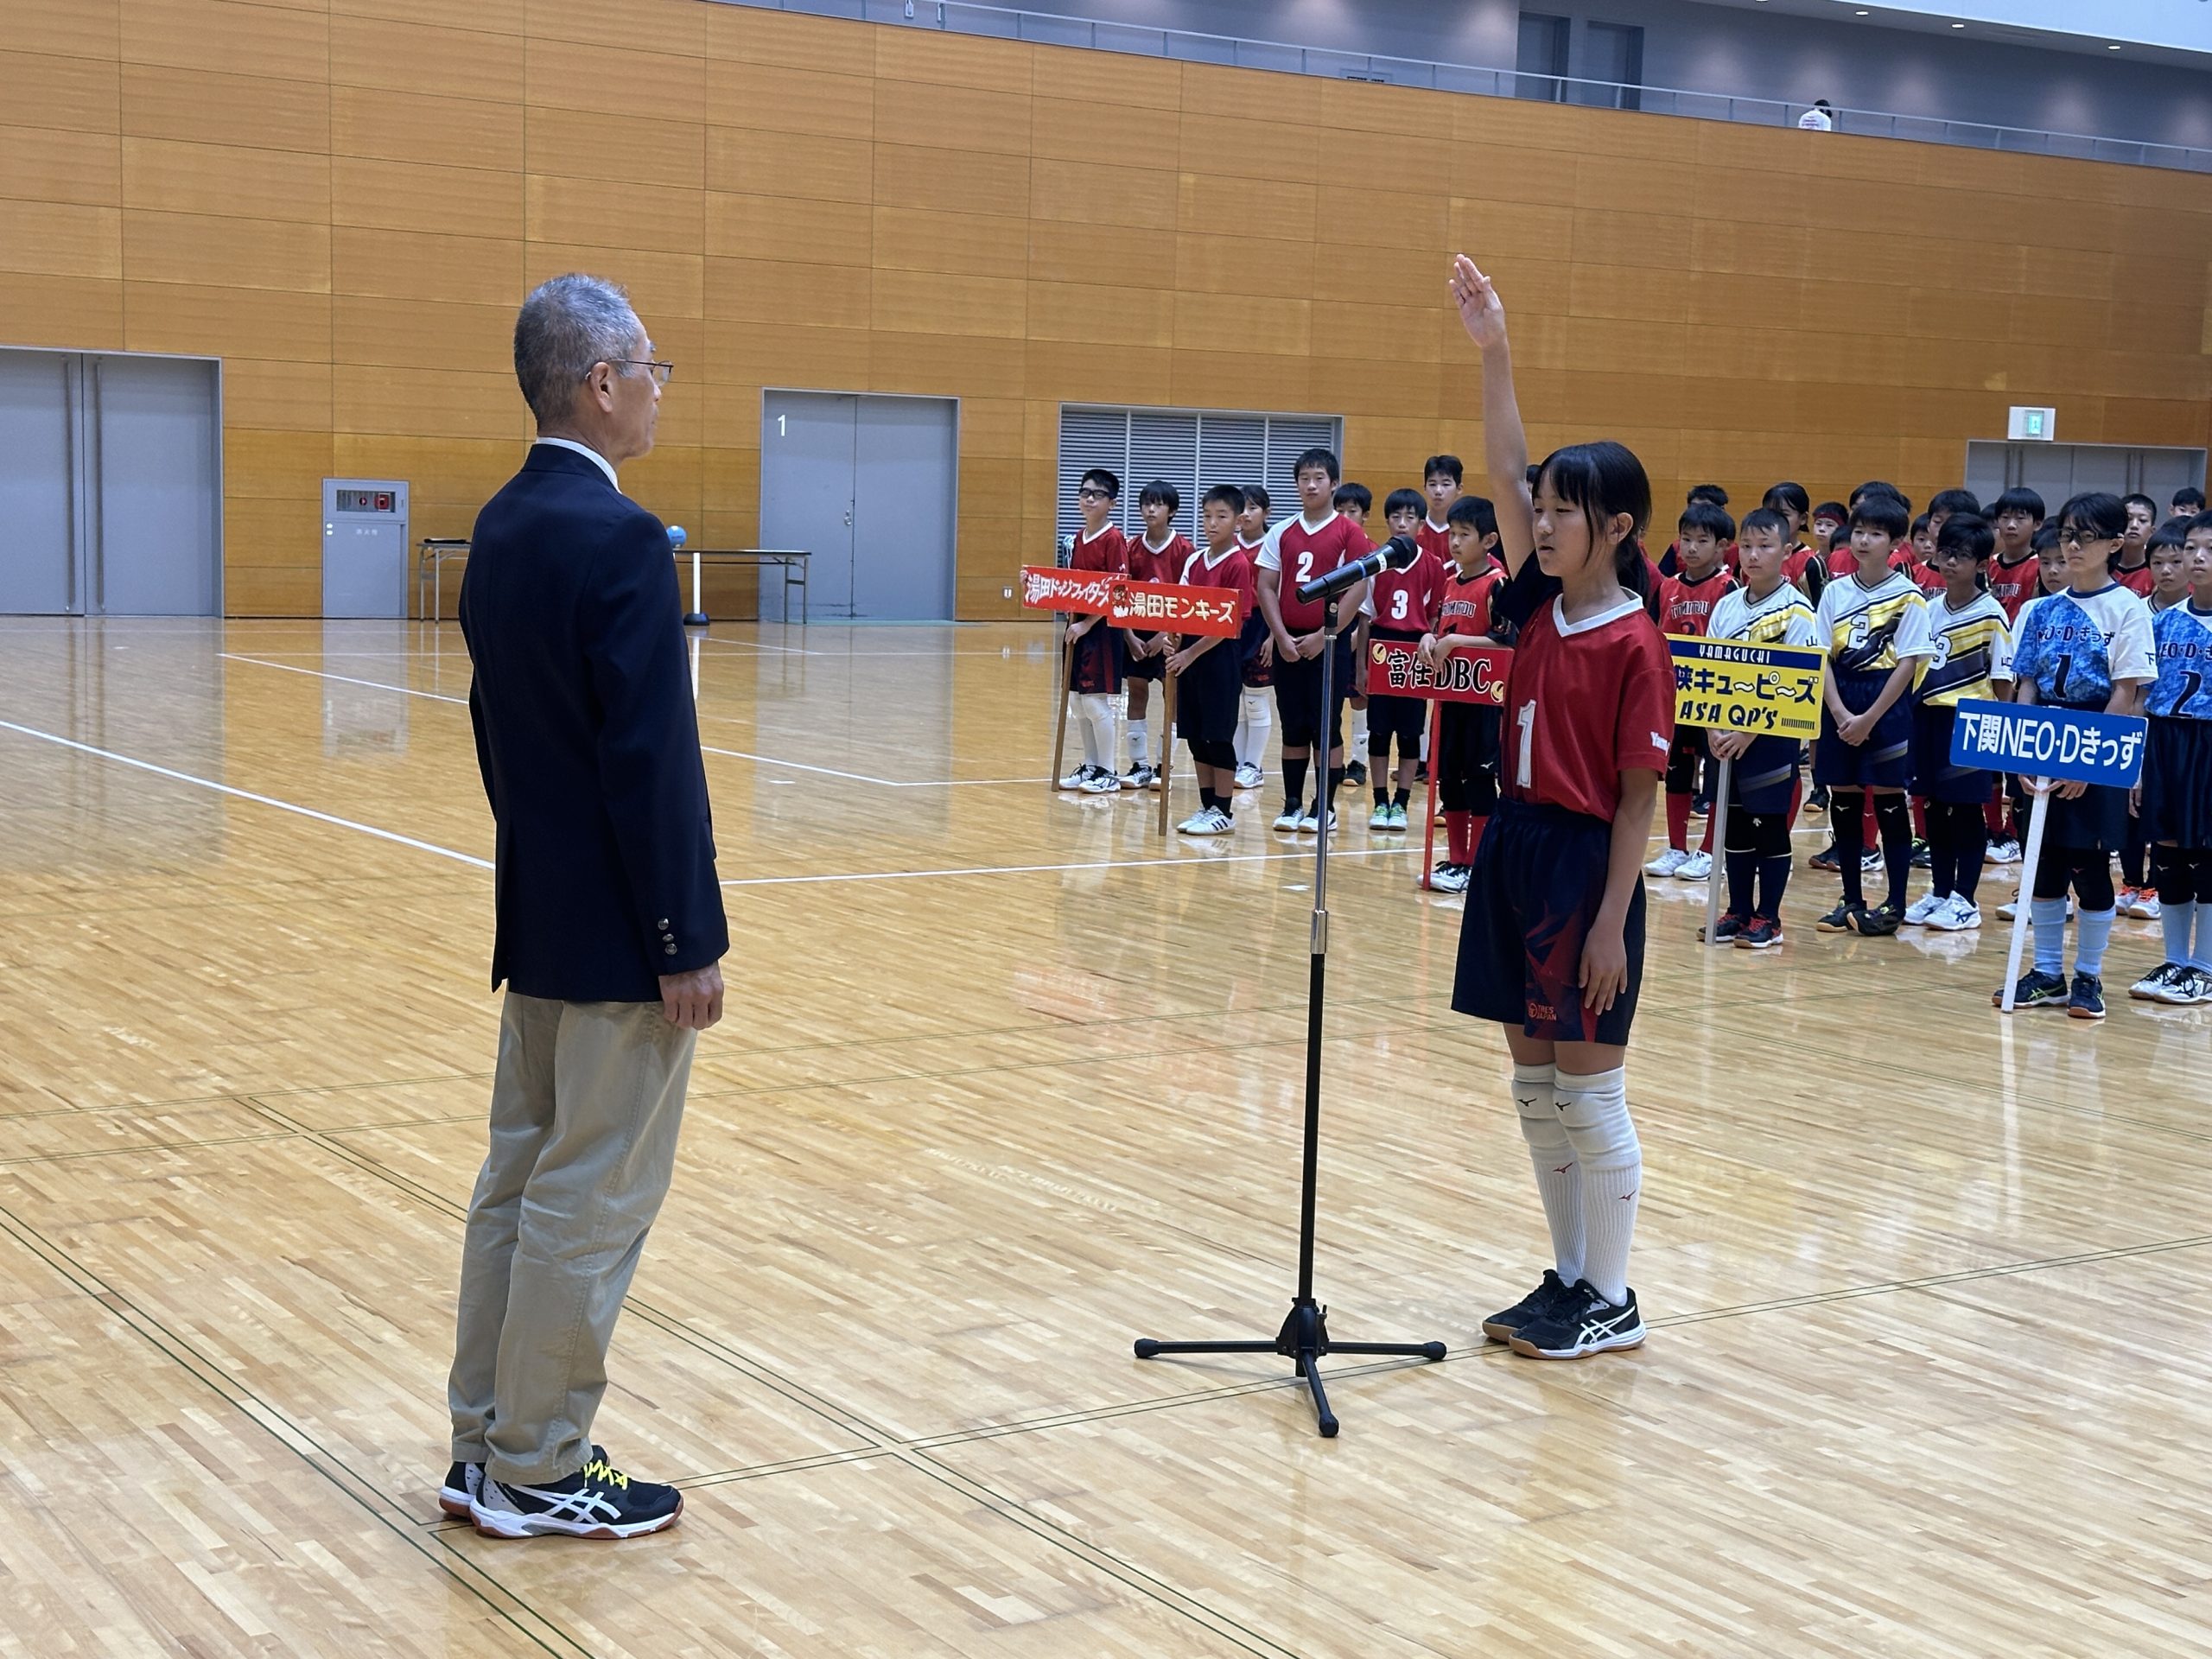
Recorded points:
(1089, 494)
(2074, 535)
(662, 372)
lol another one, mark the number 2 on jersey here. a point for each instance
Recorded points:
(1526, 720)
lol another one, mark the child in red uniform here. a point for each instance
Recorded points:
(2014, 574)
(1355, 501)
(1207, 667)
(1097, 674)
(1552, 947)
(1802, 567)
(1466, 732)
(1684, 604)
(2131, 566)
(1402, 604)
(1157, 555)
(1312, 544)
(1828, 521)
(1257, 651)
(1440, 477)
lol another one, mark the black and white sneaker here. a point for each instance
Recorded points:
(1588, 1324)
(598, 1501)
(1551, 1297)
(459, 1490)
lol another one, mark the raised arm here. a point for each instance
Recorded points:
(1506, 445)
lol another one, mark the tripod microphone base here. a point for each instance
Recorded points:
(1303, 1339)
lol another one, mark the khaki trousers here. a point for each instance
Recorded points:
(585, 1108)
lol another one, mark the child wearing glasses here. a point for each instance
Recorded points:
(1096, 674)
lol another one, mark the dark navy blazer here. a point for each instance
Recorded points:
(588, 740)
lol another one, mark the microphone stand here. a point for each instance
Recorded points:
(1304, 1338)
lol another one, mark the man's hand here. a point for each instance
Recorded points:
(1480, 314)
(692, 1002)
(1727, 745)
(1313, 645)
(1182, 660)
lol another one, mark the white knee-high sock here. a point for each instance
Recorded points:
(1252, 731)
(1140, 732)
(1559, 1177)
(1594, 1111)
(1243, 741)
(1097, 711)
(1357, 747)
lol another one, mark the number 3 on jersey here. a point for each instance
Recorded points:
(1399, 604)
(1525, 718)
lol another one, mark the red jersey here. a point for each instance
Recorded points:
(1464, 606)
(1435, 540)
(1686, 606)
(1842, 562)
(2014, 585)
(1234, 570)
(1302, 554)
(1108, 550)
(1586, 702)
(1930, 579)
(1164, 565)
(1406, 602)
(2139, 582)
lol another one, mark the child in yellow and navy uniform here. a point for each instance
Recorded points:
(1874, 625)
(1972, 654)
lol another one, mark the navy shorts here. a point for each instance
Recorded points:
(2177, 782)
(1934, 777)
(1254, 635)
(1403, 718)
(1298, 696)
(1764, 778)
(1207, 697)
(1465, 761)
(1885, 760)
(1539, 879)
(1140, 668)
(1097, 669)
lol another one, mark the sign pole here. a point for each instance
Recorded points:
(1429, 812)
(1167, 747)
(1060, 729)
(2024, 904)
(1719, 865)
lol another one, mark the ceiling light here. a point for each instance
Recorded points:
(1958, 25)
(2109, 49)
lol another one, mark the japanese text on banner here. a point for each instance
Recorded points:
(1044, 588)
(1766, 690)
(1171, 607)
(2037, 741)
(1473, 674)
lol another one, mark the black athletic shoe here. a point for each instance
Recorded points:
(1839, 920)
(1588, 1324)
(1551, 1297)
(1825, 859)
(2087, 1002)
(2034, 990)
(460, 1488)
(1760, 933)
(1355, 774)
(1922, 859)
(1726, 928)
(1877, 922)
(1817, 801)
(1420, 771)
(1700, 806)
(598, 1501)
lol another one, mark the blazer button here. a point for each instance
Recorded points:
(668, 950)
(663, 921)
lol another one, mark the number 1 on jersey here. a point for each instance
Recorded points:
(1526, 720)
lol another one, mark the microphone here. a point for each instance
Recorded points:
(1394, 554)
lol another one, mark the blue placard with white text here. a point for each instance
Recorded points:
(2039, 742)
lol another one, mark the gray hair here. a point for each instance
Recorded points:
(568, 324)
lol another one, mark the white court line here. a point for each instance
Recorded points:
(1045, 869)
(248, 795)
(706, 748)
(344, 679)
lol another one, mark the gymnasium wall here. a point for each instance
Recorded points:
(345, 200)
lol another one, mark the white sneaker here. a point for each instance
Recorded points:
(1309, 822)
(1206, 821)
(1249, 776)
(1286, 820)
(1101, 782)
(2147, 905)
(1870, 859)
(2008, 911)
(1960, 916)
(1921, 912)
(1381, 818)
(2002, 852)
(1079, 778)
(2152, 987)
(1449, 878)
(2193, 985)
(1697, 866)
(1667, 862)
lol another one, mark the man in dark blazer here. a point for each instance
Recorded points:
(610, 926)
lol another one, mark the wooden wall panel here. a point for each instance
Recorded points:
(344, 201)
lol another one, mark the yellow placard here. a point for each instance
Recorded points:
(1766, 690)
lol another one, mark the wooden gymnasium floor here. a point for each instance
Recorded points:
(1004, 1084)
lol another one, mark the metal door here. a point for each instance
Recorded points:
(158, 492)
(38, 543)
(906, 465)
(806, 489)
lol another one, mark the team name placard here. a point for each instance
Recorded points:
(1471, 674)
(1767, 690)
(2039, 742)
(1163, 606)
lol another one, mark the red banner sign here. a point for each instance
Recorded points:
(1157, 606)
(1472, 674)
(1046, 588)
